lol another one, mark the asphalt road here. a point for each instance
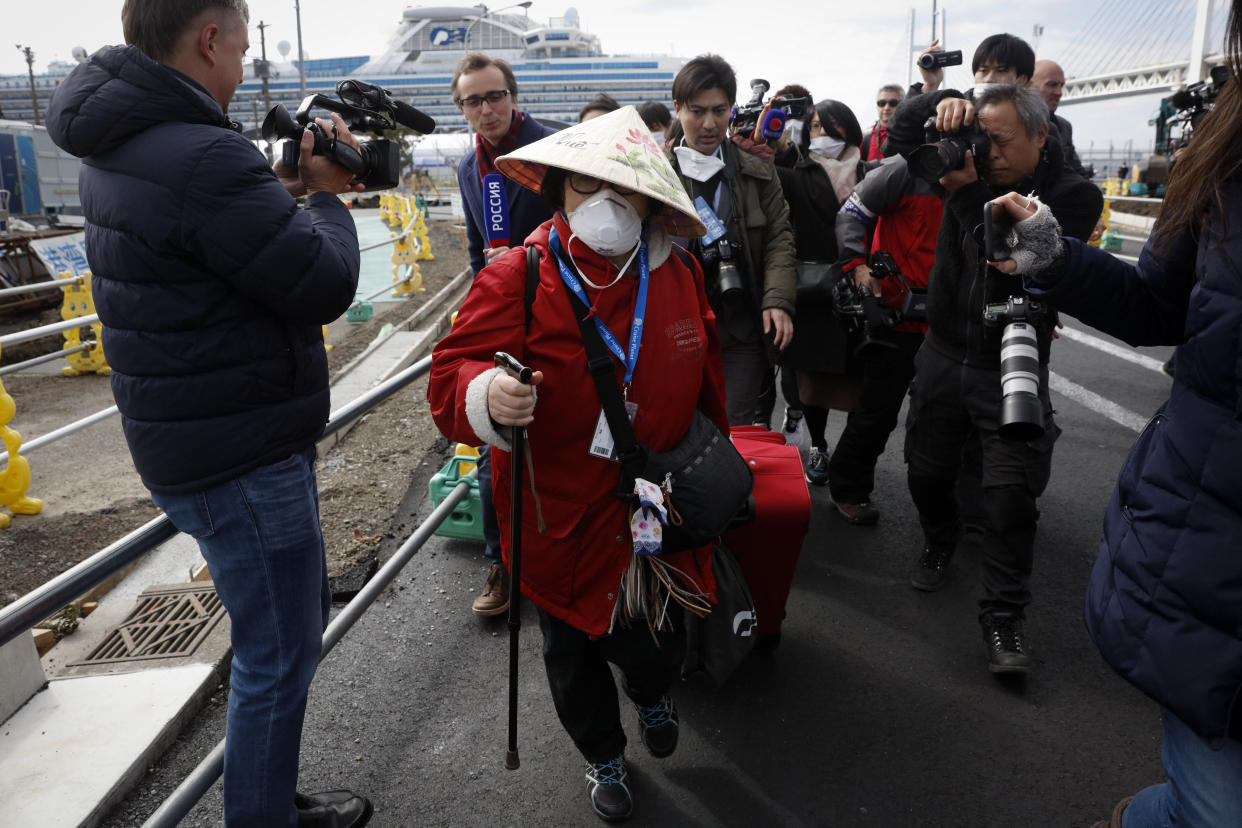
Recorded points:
(876, 710)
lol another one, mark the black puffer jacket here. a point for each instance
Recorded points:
(210, 282)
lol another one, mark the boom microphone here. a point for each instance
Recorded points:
(495, 210)
(415, 119)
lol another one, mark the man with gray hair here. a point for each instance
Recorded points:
(212, 284)
(886, 102)
(955, 404)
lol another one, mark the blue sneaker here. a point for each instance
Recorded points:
(609, 790)
(658, 727)
(817, 467)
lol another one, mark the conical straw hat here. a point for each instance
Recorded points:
(617, 148)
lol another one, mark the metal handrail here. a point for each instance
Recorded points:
(47, 330)
(39, 603)
(37, 286)
(179, 803)
(63, 431)
(30, 363)
(1140, 199)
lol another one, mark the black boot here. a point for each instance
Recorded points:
(1002, 635)
(931, 569)
(332, 809)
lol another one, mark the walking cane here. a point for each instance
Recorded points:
(518, 440)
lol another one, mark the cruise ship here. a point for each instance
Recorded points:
(558, 64)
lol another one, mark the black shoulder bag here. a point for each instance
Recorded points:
(706, 481)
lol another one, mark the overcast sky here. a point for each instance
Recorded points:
(842, 50)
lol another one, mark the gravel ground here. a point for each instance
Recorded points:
(93, 495)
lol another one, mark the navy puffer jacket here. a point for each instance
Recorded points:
(1164, 604)
(210, 282)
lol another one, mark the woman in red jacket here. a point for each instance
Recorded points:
(617, 200)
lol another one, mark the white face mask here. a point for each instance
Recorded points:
(606, 223)
(828, 146)
(795, 131)
(657, 135)
(696, 165)
(980, 88)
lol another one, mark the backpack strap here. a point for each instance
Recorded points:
(532, 280)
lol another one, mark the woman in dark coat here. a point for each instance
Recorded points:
(815, 188)
(1164, 604)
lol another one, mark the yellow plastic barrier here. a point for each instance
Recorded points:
(15, 478)
(405, 258)
(421, 232)
(1101, 226)
(80, 302)
(464, 450)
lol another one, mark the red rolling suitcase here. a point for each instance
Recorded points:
(767, 548)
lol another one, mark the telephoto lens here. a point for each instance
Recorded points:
(1022, 413)
(729, 278)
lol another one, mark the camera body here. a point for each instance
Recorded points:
(767, 119)
(939, 60)
(1022, 413)
(720, 254)
(943, 152)
(364, 108)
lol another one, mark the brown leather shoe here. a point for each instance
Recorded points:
(494, 599)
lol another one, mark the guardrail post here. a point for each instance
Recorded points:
(15, 478)
(80, 302)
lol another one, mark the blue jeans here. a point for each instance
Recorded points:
(1204, 788)
(487, 508)
(260, 536)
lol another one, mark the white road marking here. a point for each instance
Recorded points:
(1119, 351)
(1098, 404)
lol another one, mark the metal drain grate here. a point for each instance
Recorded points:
(167, 622)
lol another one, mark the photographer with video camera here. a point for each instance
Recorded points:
(1164, 603)
(957, 408)
(212, 284)
(901, 214)
(747, 254)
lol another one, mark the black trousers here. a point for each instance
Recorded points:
(748, 373)
(582, 685)
(953, 420)
(886, 380)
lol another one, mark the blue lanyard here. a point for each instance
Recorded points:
(640, 305)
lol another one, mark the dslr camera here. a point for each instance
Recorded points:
(724, 256)
(943, 152)
(1022, 413)
(364, 108)
(755, 118)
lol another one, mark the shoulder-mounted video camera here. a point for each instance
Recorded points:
(1198, 99)
(364, 108)
(943, 152)
(765, 121)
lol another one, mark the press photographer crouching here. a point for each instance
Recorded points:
(956, 398)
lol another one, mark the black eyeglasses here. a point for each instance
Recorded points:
(475, 101)
(887, 102)
(584, 184)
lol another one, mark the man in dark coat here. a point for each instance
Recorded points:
(1049, 82)
(485, 90)
(955, 402)
(212, 285)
